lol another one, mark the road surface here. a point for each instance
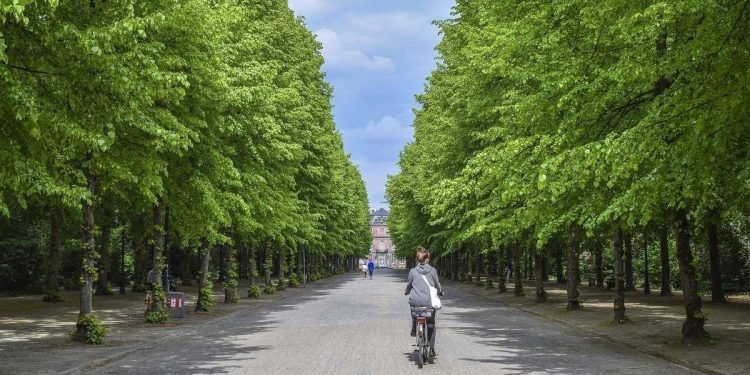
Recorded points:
(347, 325)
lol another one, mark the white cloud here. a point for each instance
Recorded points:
(387, 128)
(375, 175)
(337, 54)
(391, 23)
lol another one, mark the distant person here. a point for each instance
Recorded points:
(364, 270)
(419, 292)
(370, 268)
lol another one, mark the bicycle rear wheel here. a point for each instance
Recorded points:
(421, 345)
(420, 352)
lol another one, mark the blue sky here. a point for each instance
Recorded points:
(378, 55)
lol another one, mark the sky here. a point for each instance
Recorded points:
(378, 54)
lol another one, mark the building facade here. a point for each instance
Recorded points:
(382, 250)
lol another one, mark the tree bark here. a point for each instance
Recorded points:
(692, 328)
(478, 281)
(518, 287)
(572, 276)
(599, 270)
(102, 289)
(55, 244)
(251, 264)
(629, 262)
(646, 271)
(89, 249)
(530, 265)
(559, 264)
(541, 294)
(158, 242)
(282, 266)
(267, 265)
(205, 261)
(243, 262)
(502, 262)
(619, 279)
(712, 229)
(666, 289)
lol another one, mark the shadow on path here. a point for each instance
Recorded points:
(217, 346)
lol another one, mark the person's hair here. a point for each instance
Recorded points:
(422, 254)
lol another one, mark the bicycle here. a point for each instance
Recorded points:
(422, 315)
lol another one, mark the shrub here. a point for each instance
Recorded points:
(54, 296)
(157, 311)
(269, 289)
(253, 291)
(294, 281)
(89, 329)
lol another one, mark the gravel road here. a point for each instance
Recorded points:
(348, 325)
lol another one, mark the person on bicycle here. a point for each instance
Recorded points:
(419, 292)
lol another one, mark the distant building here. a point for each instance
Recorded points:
(382, 250)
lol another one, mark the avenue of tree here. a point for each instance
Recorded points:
(190, 133)
(574, 134)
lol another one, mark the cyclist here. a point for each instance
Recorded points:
(419, 292)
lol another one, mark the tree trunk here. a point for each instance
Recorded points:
(102, 289)
(573, 240)
(222, 263)
(89, 256)
(530, 265)
(231, 281)
(646, 271)
(518, 287)
(598, 250)
(692, 328)
(478, 281)
(666, 289)
(243, 262)
(559, 264)
(629, 262)
(619, 279)
(158, 242)
(123, 276)
(541, 294)
(502, 262)
(139, 265)
(282, 266)
(712, 229)
(205, 253)
(543, 259)
(251, 265)
(55, 244)
(267, 266)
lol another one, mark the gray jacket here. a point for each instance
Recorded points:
(418, 290)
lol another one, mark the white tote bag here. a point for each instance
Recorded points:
(436, 304)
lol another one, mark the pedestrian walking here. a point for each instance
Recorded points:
(370, 267)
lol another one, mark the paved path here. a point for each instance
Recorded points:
(355, 326)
